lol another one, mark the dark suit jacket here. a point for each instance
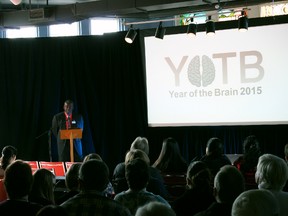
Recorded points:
(59, 123)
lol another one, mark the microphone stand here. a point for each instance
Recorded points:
(49, 132)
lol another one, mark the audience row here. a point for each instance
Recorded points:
(212, 184)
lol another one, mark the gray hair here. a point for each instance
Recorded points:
(272, 172)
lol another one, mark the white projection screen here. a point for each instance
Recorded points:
(232, 78)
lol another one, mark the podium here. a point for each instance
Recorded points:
(71, 134)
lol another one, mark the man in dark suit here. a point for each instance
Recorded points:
(67, 120)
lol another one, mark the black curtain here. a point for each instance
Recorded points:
(105, 78)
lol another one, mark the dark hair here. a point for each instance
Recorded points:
(199, 174)
(170, 158)
(71, 177)
(94, 175)
(7, 153)
(215, 146)
(18, 179)
(251, 152)
(137, 174)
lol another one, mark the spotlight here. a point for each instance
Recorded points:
(192, 28)
(131, 34)
(160, 31)
(243, 22)
(210, 26)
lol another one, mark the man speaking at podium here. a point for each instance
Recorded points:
(67, 120)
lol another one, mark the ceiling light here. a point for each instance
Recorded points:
(210, 26)
(192, 28)
(131, 34)
(160, 31)
(16, 2)
(243, 22)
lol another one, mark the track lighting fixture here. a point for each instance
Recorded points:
(16, 2)
(131, 34)
(210, 26)
(192, 28)
(160, 31)
(243, 22)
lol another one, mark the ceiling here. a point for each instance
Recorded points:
(43, 12)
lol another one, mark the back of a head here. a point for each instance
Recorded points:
(228, 183)
(49, 210)
(71, 177)
(272, 172)
(92, 156)
(137, 174)
(250, 142)
(43, 184)
(136, 153)
(18, 179)
(214, 146)
(255, 202)
(198, 174)
(140, 143)
(8, 152)
(155, 209)
(94, 175)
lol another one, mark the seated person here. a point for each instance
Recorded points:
(255, 202)
(18, 181)
(140, 143)
(137, 175)
(214, 157)
(93, 180)
(199, 193)
(170, 160)
(272, 175)
(155, 185)
(248, 162)
(228, 185)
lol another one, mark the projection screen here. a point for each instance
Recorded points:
(232, 78)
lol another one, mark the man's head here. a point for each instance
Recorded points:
(228, 184)
(255, 202)
(68, 106)
(94, 175)
(137, 174)
(272, 172)
(18, 179)
(214, 146)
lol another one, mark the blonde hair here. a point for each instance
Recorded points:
(136, 153)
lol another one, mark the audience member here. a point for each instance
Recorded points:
(71, 183)
(155, 209)
(140, 143)
(18, 181)
(199, 193)
(137, 175)
(92, 156)
(228, 185)
(9, 154)
(214, 157)
(93, 179)
(255, 202)
(42, 190)
(109, 191)
(170, 159)
(272, 174)
(52, 210)
(248, 162)
(156, 183)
